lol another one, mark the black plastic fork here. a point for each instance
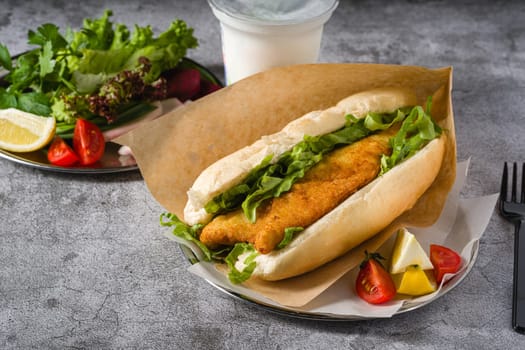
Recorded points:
(513, 209)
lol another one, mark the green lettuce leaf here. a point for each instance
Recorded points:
(270, 180)
(416, 131)
(233, 198)
(96, 34)
(81, 61)
(189, 233)
(166, 50)
(103, 52)
(289, 234)
(238, 276)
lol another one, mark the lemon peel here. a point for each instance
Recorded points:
(24, 132)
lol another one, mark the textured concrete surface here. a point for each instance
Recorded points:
(83, 263)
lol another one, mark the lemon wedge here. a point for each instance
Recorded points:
(24, 132)
(414, 281)
(407, 251)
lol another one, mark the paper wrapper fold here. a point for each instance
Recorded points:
(173, 150)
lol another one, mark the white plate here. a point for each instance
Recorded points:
(343, 283)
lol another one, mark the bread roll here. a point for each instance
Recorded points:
(232, 169)
(358, 218)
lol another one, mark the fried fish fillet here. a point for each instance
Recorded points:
(338, 175)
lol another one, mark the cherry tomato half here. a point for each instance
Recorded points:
(445, 260)
(60, 153)
(374, 284)
(88, 142)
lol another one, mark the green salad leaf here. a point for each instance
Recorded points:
(416, 131)
(229, 255)
(105, 52)
(189, 233)
(34, 102)
(270, 180)
(7, 100)
(235, 275)
(289, 234)
(63, 75)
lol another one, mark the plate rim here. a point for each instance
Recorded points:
(320, 316)
(19, 159)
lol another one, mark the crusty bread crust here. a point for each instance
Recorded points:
(358, 218)
(232, 169)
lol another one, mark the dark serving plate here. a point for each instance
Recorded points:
(112, 161)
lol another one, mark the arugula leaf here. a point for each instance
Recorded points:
(23, 75)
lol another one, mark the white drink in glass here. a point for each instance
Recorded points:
(257, 35)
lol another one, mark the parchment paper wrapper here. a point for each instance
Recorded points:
(460, 227)
(174, 149)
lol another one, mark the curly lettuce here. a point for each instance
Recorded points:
(103, 51)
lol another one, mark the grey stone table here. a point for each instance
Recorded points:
(83, 263)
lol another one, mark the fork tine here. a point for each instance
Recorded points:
(514, 181)
(522, 183)
(503, 190)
